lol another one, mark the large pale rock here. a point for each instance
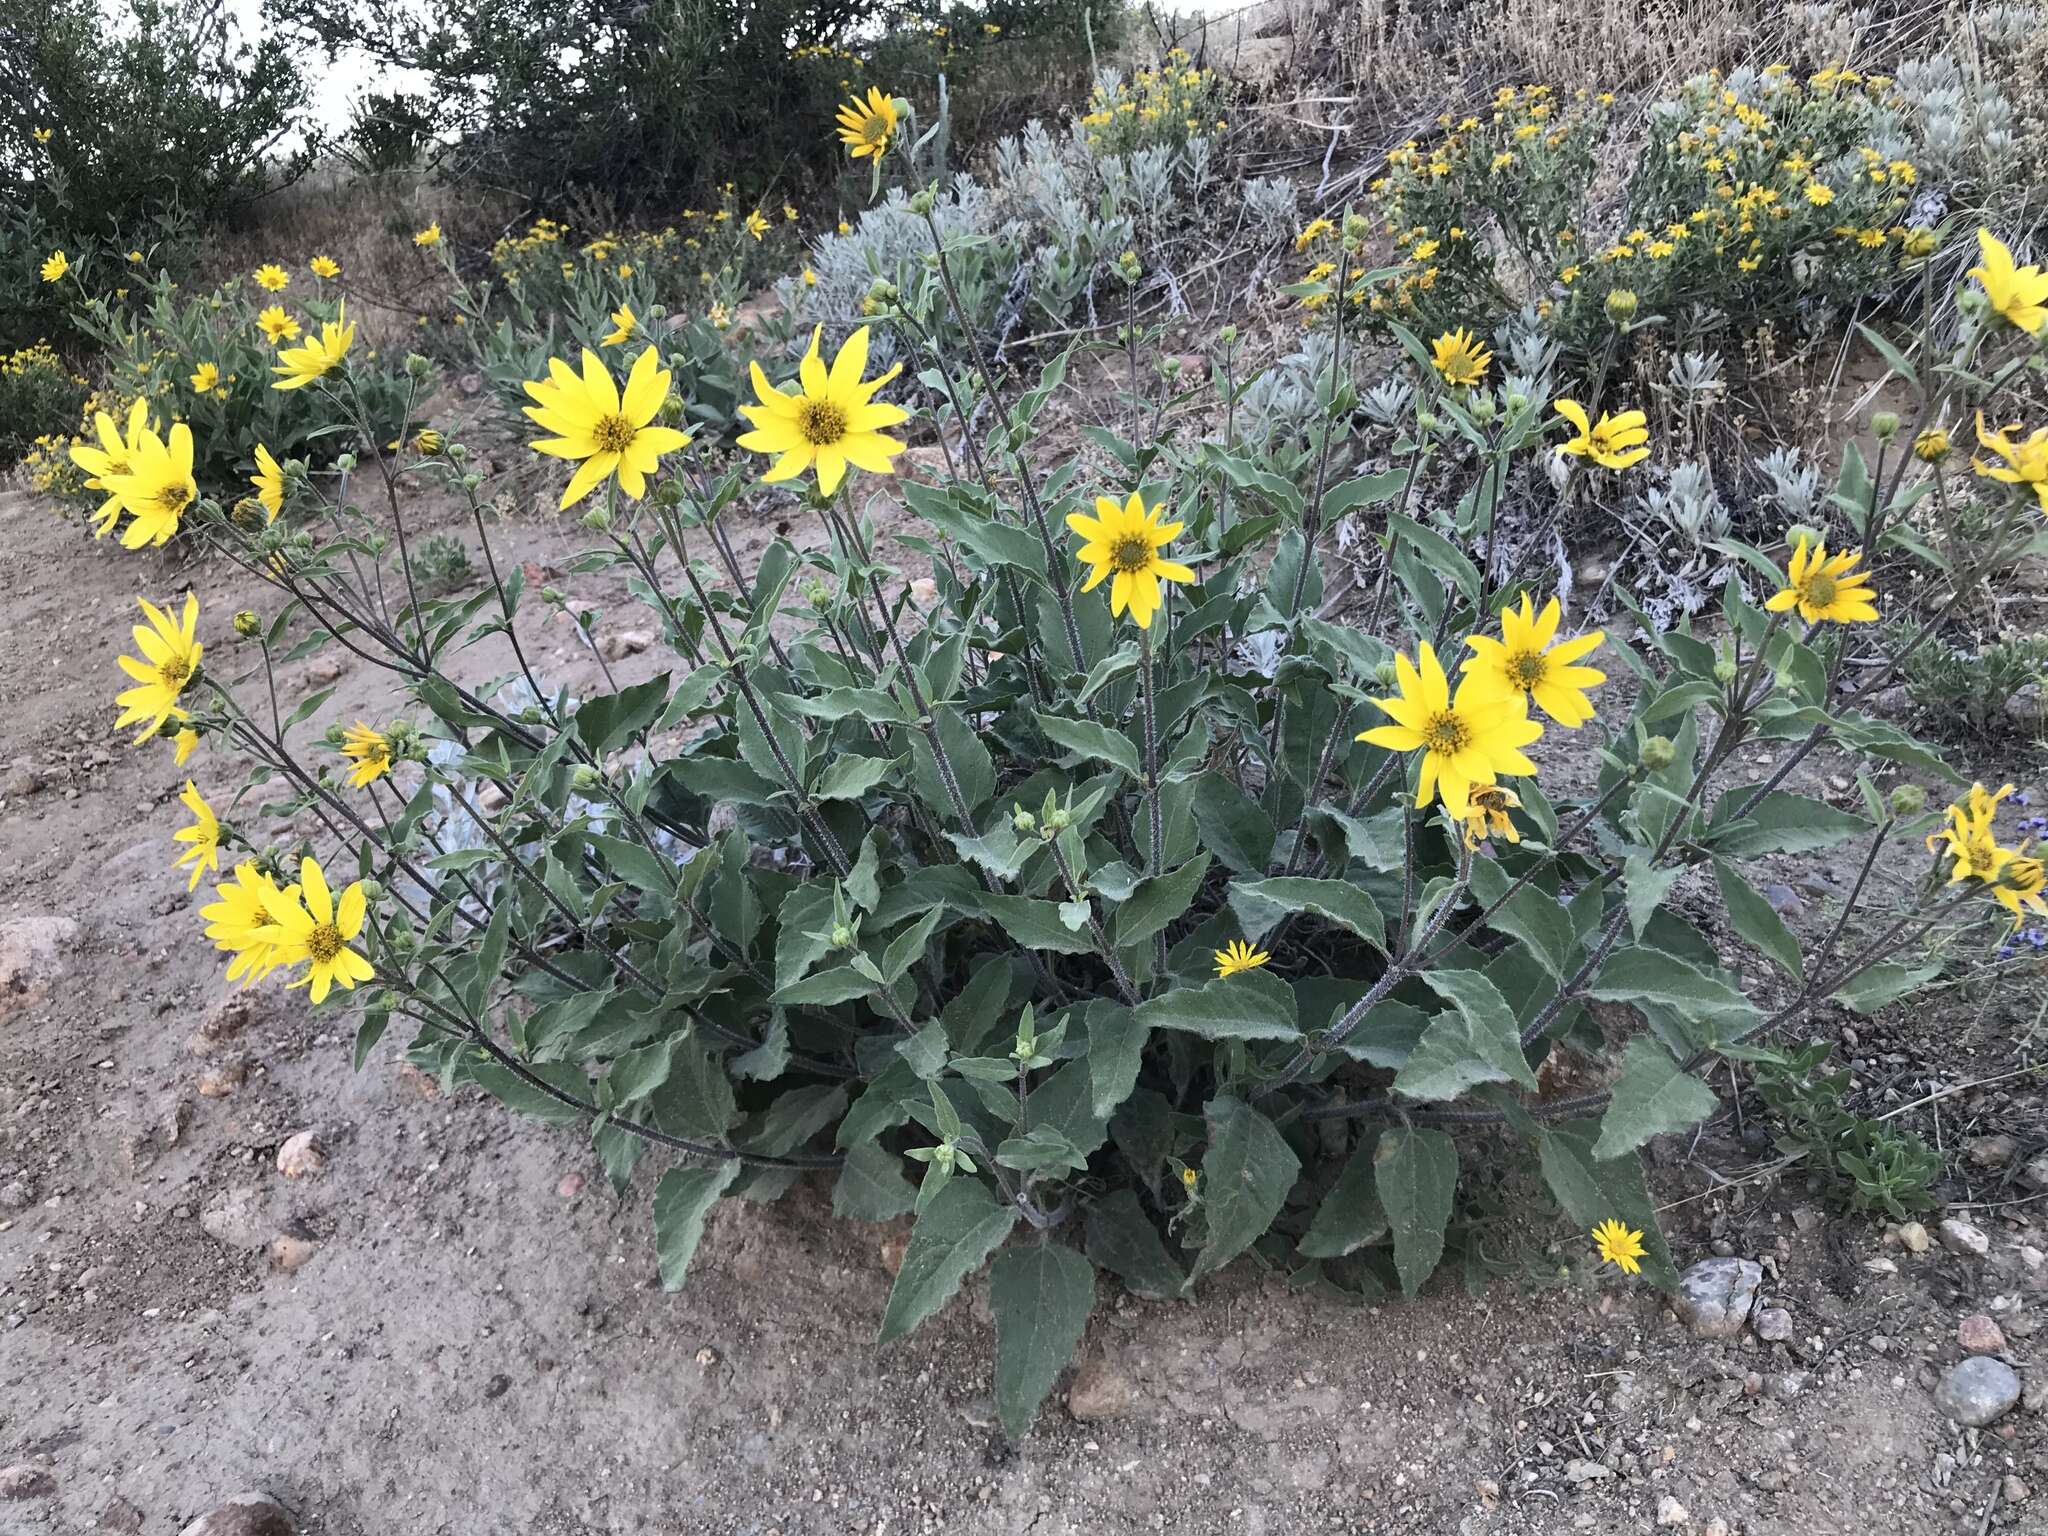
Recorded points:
(1715, 1296)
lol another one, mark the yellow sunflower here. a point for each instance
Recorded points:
(611, 433)
(1238, 956)
(112, 460)
(1460, 358)
(1123, 542)
(300, 366)
(624, 324)
(202, 837)
(313, 927)
(170, 655)
(158, 486)
(1826, 589)
(271, 278)
(2019, 294)
(55, 265)
(237, 917)
(1614, 442)
(830, 419)
(204, 378)
(1486, 814)
(428, 237)
(277, 325)
(1619, 1246)
(1465, 741)
(370, 750)
(2026, 462)
(269, 482)
(1530, 659)
(325, 266)
(1968, 839)
(867, 125)
(2017, 883)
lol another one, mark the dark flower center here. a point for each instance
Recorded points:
(324, 942)
(821, 422)
(1131, 553)
(613, 434)
(1445, 732)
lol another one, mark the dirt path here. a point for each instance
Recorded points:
(472, 1340)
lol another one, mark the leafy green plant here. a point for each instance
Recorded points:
(1966, 692)
(40, 398)
(1866, 1162)
(442, 565)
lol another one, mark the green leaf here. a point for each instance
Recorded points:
(1532, 916)
(960, 1228)
(1644, 887)
(1233, 825)
(605, 720)
(1041, 1297)
(803, 934)
(1159, 901)
(1642, 976)
(1351, 1214)
(634, 864)
(1093, 742)
(1122, 1239)
(1035, 924)
(1416, 1172)
(1479, 1041)
(850, 777)
(872, 1185)
(1591, 1192)
(841, 984)
(1884, 984)
(506, 1086)
(1757, 921)
(1651, 1096)
(636, 1074)
(695, 1099)
(907, 948)
(1251, 1005)
(1261, 904)
(1247, 1170)
(682, 1200)
(1779, 823)
(1116, 1045)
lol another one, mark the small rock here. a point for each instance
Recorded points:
(1960, 1237)
(420, 1084)
(569, 1186)
(16, 1196)
(894, 1246)
(2014, 1490)
(1594, 573)
(322, 670)
(246, 1514)
(1914, 1237)
(1671, 1512)
(1991, 1151)
(497, 1387)
(291, 1254)
(1715, 1527)
(1784, 900)
(1772, 1324)
(1193, 367)
(121, 1516)
(1979, 1335)
(1786, 1385)
(2027, 707)
(1579, 1471)
(1977, 1390)
(1100, 1390)
(224, 1020)
(31, 958)
(2031, 1256)
(238, 1217)
(218, 1081)
(621, 643)
(301, 1156)
(1715, 1296)
(25, 1481)
(20, 780)
(2034, 1172)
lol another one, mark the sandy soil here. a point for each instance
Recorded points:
(472, 1340)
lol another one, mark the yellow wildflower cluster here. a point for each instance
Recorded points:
(1168, 105)
(1970, 844)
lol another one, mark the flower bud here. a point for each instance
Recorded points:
(1908, 800)
(246, 623)
(1621, 305)
(585, 780)
(1725, 671)
(416, 366)
(1023, 822)
(1386, 674)
(551, 595)
(597, 519)
(345, 462)
(1919, 243)
(249, 513)
(1517, 403)
(1356, 226)
(457, 452)
(842, 936)
(1059, 820)
(1228, 335)
(818, 596)
(923, 201)
(1425, 422)
(1171, 367)
(668, 493)
(1128, 267)
(1884, 426)
(1931, 446)
(427, 441)
(472, 481)
(373, 890)
(1803, 533)
(1658, 754)
(1482, 408)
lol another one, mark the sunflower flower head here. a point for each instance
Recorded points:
(271, 278)
(1238, 956)
(1465, 741)
(201, 839)
(2026, 459)
(2017, 884)
(606, 431)
(1967, 839)
(370, 750)
(2017, 294)
(1486, 814)
(158, 486)
(110, 461)
(624, 325)
(237, 917)
(277, 325)
(169, 661)
(1825, 589)
(204, 378)
(830, 419)
(1460, 358)
(429, 237)
(299, 366)
(269, 483)
(1613, 442)
(1620, 1246)
(324, 266)
(1122, 543)
(54, 266)
(1529, 658)
(309, 926)
(867, 125)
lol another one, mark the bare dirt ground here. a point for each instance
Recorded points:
(454, 1328)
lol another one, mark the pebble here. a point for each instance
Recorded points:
(31, 958)
(301, 1156)
(1715, 1527)
(24, 1481)
(1671, 1512)
(1100, 1390)
(2034, 1172)
(224, 1020)
(1977, 1390)
(289, 1253)
(238, 1218)
(1991, 1151)
(569, 1186)
(1715, 1296)
(1979, 1335)
(1786, 1385)
(322, 670)
(1773, 1324)
(16, 1196)
(246, 1514)
(625, 642)
(1960, 1237)
(1914, 1236)
(218, 1082)
(2014, 1489)
(1580, 1471)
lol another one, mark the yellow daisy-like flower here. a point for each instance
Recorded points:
(1238, 956)
(1460, 358)
(611, 433)
(324, 266)
(271, 278)
(55, 265)
(624, 324)
(1619, 1246)
(170, 655)
(1968, 839)
(756, 225)
(370, 750)
(2019, 294)
(1528, 658)
(1465, 741)
(2026, 462)
(299, 366)
(237, 917)
(1486, 814)
(866, 125)
(204, 378)
(1826, 589)
(1123, 543)
(112, 460)
(1819, 193)
(313, 927)
(428, 237)
(2017, 883)
(185, 743)
(158, 486)
(277, 325)
(269, 482)
(810, 278)
(202, 837)
(831, 419)
(1613, 442)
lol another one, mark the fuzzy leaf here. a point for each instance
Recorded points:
(1351, 1214)
(872, 1185)
(960, 1228)
(1416, 1173)
(1041, 1297)
(682, 1200)
(1651, 1096)
(1122, 1239)
(1159, 901)
(1251, 1005)
(1260, 905)
(1246, 1173)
